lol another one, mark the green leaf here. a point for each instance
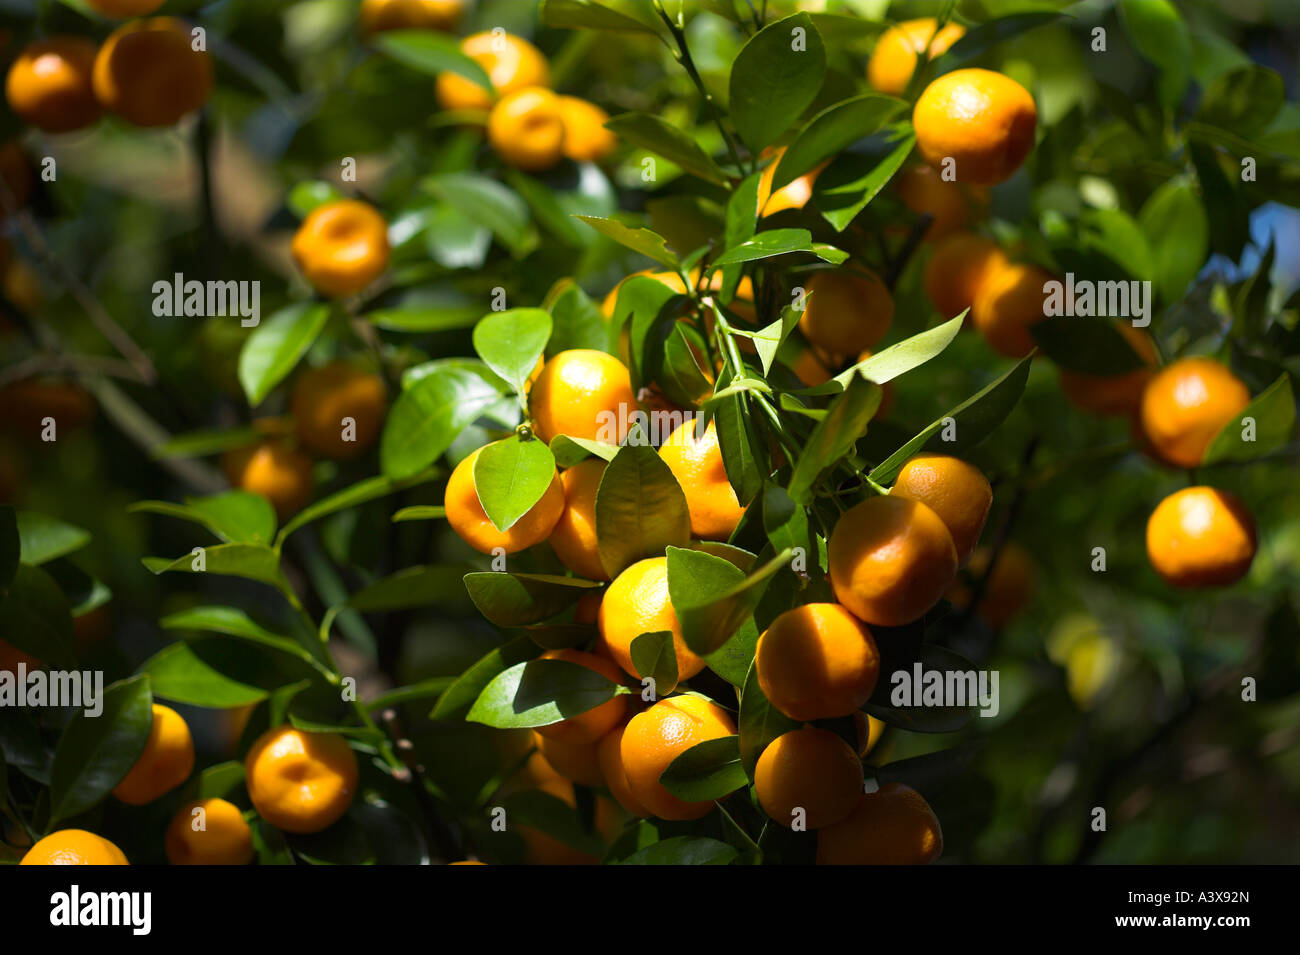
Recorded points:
(510, 342)
(769, 339)
(984, 37)
(648, 243)
(44, 538)
(577, 320)
(1090, 346)
(511, 476)
(217, 781)
(453, 239)
(588, 15)
(178, 673)
(94, 754)
(231, 622)
(432, 52)
(759, 722)
(654, 656)
(741, 221)
(489, 203)
(677, 146)
(707, 771)
(1273, 410)
(420, 512)
(273, 348)
(250, 561)
(354, 495)
(834, 436)
(910, 353)
(539, 693)
(515, 600)
(775, 77)
(569, 450)
(197, 444)
(1160, 34)
(462, 694)
(424, 310)
(732, 660)
(640, 509)
(306, 197)
(428, 416)
(1243, 101)
(418, 586)
(425, 689)
(779, 242)
(682, 371)
(234, 516)
(975, 418)
(10, 545)
(831, 130)
(739, 446)
(712, 596)
(35, 617)
(918, 718)
(1114, 234)
(548, 813)
(850, 182)
(1178, 232)
(684, 850)
(547, 208)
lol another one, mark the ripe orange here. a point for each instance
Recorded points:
(274, 470)
(1201, 537)
(582, 393)
(891, 560)
(950, 205)
(1114, 394)
(526, 128)
(224, 838)
(1186, 404)
(125, 8)
(575, 761)
(511, 62)
(148, 72)
(955, 490)
(870, 730)
(609, 754)
(585, 137)
(298, 781)
(1007, 304)
(341, 247)
(895, 56)
(958, 268)
(697, 465)
(380, 15)
(49, 84)
(981, 120)
(467, 518)
(817, 661)
(590, 726)
(324, 397)
(812, 770)
(1009, 589)
(541, 847)
(793, 195)
(657, 736)
(846, 312)
(892, 826)
(74, 847)
(637, 602)
(574, 536)
(167, 760)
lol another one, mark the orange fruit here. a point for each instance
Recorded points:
(1009, 589)
(149, 73)
(219, 836)
(950, 205)
(24, 406)
(637, 602)
(324, 397)
(586, 609)
(274, 470)
(574, 536)
(511, 62)
(1114, 394)
(697, 464)
(793, 195)
(74, 847)
(167, 760)
(585, 137)
(1201, 537)
(609, 754)
(380, 15)
(955, 490)
(590, 726)
(891, 560)
(1186, 404)
(582, 393)
(22, 286)
(897, 51)
(870, 730)
(846, 312)
(125, 8)
(816, 662)
(526, 128)
(298, 781)
(341, 247)
(958, 268)
(576, 762)
(49, 84)
(467, 518)
(892, 826)
(541, 847)
(1010, 301)
(981, 120)
(808, 769)
(657, 736)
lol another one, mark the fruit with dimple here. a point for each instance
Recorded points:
(959, 267)
(526, 128)
(950, 205)
(1201, 537)
(149, 73)
(582, 393)
(846, 312)
(955, 490)
(216, 836)
(74, 847)
(341, 247)
(897, 52)
(892, 826)
(1186, 405)
(696, 462)
(589, 726)
(1114, 394)
(511, 62)
(657, 736)
(637, 602)
(808, 776)
(585, 137)
(273, 469)
(574, 536)
(1008, 303)
(469, 520)
(323, 398)
(891, 560)
(49, 84)
(983, 121)
(298, 781)
(165, 763)
(817, 661)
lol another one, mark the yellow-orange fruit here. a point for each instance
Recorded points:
(274, 470)
(149, 73)
(167, 760)
(341, 247)
(1009, 588)
(1114, 394)
(950, 205)
(955, 490)
(697, 464)
(809, 777)
(983, 121)
(817, 661)
(380, 15)
(610, 756)
(574, 536)
(338, 409)
(1009, 302)
(585, 137)
(590, 726)
(958, 268)
(74, 847)
(577, 762)
(467, 518)
(892, 826)
(526, 128)
(1201, 537)
(216, 836)
(637, 602)
(657, 736)
(511, 62)
(897, 51)
(846, 312)
(582, 393)
(298, 781)
(1186, 405)
(793, 195)
(49, 84)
